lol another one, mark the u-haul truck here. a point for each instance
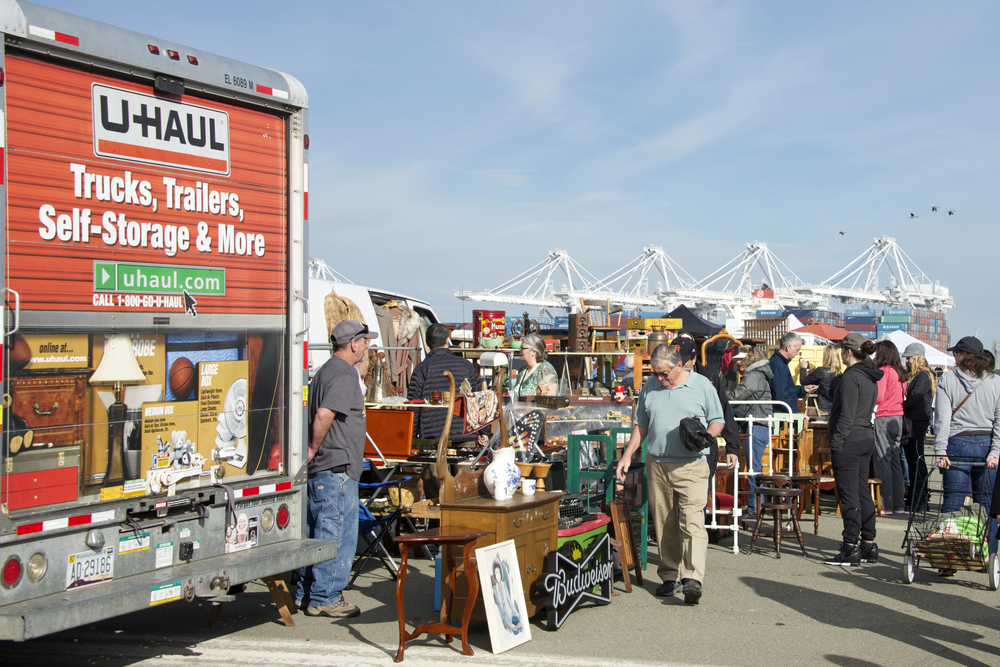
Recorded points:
(154, 380)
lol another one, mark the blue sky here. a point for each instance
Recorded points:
(454, 144)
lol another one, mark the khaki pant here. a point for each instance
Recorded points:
(678, 493)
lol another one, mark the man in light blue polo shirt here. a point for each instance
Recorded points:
(677, 477)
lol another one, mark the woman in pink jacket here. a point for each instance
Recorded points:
(889, 428)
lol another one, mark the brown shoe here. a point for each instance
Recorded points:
(339, 609)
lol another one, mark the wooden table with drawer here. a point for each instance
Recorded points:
(46, 471)
(531, 521)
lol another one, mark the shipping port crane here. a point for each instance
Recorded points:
(727, 293)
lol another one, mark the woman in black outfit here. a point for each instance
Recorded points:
(852, 442)
(825, 378)
(917, 416)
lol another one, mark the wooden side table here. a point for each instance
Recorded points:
(457, 536)
(531, 521)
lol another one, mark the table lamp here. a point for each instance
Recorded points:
(493, 360)
(118, 368)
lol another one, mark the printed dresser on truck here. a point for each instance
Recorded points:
(153, 364)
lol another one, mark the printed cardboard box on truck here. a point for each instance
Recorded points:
(222, 408)
(169, 435)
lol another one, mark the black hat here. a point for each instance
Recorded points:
(969, 344)
(686, 347)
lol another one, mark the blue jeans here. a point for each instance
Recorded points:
(756, 443)
(333, 515)
(961, 481)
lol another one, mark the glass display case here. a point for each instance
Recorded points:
(584, 414)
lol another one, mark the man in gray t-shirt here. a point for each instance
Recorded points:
(336, 450)
(677, 478)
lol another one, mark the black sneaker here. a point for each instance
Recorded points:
(869, 552)
(850, 555)
(692, 591)
(667, 589)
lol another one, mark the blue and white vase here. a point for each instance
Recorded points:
(502, 477)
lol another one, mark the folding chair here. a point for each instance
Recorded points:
(372, 529)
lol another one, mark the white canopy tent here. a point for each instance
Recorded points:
(934, 356)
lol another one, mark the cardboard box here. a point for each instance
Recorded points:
(223, 404)
(169, 435)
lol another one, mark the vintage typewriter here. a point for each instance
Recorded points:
(572, 511)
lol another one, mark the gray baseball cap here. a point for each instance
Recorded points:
(912, 350)
(348, 330)
(853, 341)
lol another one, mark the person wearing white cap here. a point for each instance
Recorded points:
(335, 458)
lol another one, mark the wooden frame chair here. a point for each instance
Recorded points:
(599, 312)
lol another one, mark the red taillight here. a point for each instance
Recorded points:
(12, 571)
(173, 55)
(192, 60)
(283, 516)
(307, 141)
(155, 50)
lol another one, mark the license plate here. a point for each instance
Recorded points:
(90, 567)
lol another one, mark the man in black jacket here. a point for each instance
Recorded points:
(428, 376)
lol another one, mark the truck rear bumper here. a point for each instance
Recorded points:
(69, 609)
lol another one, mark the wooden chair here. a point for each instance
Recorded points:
(777, 501)
(598, 312)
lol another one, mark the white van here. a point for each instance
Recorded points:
(322, 279)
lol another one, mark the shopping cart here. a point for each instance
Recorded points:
(950, 541)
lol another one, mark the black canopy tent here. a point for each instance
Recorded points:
(692, 324)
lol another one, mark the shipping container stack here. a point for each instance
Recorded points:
(831, 317)
(931, 327)
(925, 325)
(862, 322)
(894, 319)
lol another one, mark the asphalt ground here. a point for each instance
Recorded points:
(757, 610)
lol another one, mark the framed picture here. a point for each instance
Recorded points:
(503, 596)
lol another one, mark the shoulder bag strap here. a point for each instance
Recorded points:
(959, 406)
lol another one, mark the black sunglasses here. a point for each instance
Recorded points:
(363, 332)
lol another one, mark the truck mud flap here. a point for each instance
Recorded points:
(70, 609)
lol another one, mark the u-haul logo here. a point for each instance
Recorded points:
(143, 128)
